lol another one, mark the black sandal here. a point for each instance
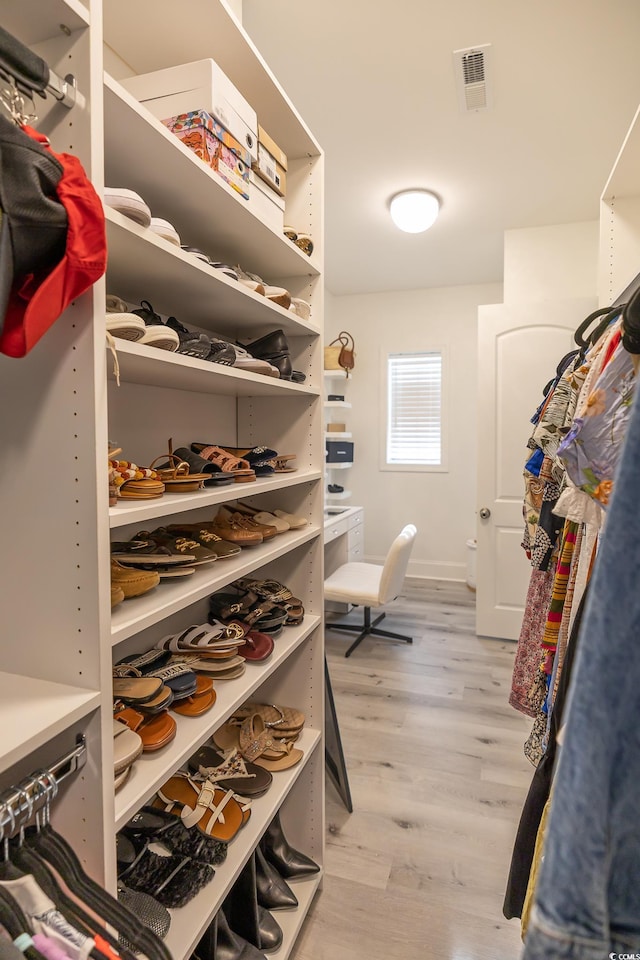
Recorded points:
(172, 880)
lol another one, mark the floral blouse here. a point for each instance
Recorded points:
(591, 449)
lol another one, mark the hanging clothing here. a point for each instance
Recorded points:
(540, 787)
(587, 901)
(45, 917)
(527, 660)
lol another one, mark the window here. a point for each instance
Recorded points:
(414, 411)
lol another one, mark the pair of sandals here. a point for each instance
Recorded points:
(203, 805)
(256, 742)
(274, 592)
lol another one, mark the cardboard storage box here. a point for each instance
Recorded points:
(268, 169)
(217, 148)
(336, 427)
(200, 85)
(339, 451)
(262, 203)
(273, 148)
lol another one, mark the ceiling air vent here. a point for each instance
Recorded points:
(471, 67)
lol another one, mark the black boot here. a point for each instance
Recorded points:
(273, 892)
(290, 863)
(228, 945)
(246, 917)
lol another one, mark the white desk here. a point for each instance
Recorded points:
(343, 541)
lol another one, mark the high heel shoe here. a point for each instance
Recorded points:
(221, 943)
(273, 892)
(246, 917)
(290, 863)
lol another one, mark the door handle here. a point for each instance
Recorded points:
(485, 513)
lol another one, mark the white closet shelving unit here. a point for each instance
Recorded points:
(61, 404)
(335, 382)
(619, 260)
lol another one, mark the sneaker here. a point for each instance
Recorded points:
(129, 203)
(226, 269)
(277, 295)
(156, 334)
(197, 253)
(165, 230)
(121, 323)
(191, 344)
(222, 352)
(244, 361)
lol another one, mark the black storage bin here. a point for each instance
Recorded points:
(339, 451)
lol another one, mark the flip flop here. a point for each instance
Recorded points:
(155, 732)
(214, 812)
(203, 638)
(256, 743)
(227, 462)
(282, 721)
(232, 772)
(199, 702)
(136, 689)
(258, 646)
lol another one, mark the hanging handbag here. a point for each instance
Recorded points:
(340, 353)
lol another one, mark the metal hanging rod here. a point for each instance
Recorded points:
(18, 804)
(65, 91)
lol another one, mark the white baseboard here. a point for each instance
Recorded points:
(431, 570)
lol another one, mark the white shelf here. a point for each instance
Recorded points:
(143, 265)
(342, 435)
(33, 711)
(623, 180)
(139, 512)
(137, 32)
(336, 375)
(33, 22)
(337, 405)
(189, 922)
(140, 363)
(338, 466)
(134, 615)
(151, 770)
(228, 231)
(345, 495)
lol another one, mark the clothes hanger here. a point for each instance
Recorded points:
(57, 852)
(12, 917)
(578, 335)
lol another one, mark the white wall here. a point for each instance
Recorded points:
(442, 505)
(558, 262)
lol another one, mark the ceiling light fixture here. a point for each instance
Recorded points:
(414, 211)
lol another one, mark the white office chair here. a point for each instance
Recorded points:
(371, 585)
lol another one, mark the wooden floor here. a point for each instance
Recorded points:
(438, 779)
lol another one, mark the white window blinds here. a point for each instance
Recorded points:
(414, 409)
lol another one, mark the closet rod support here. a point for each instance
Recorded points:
(19, 803)
(66, 91)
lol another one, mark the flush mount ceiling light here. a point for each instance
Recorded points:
(414, 211)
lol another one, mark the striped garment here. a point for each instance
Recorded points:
(559, 593)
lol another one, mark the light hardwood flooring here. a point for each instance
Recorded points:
(438, 779)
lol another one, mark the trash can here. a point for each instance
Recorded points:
(472, 546)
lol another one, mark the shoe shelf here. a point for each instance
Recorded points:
(33, 711)
(34, 22)
(144, 265)
(142, 155)
(212, 31)
(337, 405)
(140, 363)
(189, 923)
(341, 435)
(135, 615)
(151, 770)
(344, 495)
(131, 511)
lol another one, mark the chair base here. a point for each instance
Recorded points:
(367, 629)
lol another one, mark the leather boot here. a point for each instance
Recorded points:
(274, 348)
(290, 863)
(246, 917)
(228, 945)
(273, 892)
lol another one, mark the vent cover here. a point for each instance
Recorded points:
(471, 68)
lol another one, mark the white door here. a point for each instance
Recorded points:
(519, 348)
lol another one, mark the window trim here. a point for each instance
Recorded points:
(443, 466)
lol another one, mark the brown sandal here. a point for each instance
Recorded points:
(175, 474)
(215, 812)
(228, 463)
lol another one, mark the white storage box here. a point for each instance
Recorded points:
(262, 203)
(200, 85)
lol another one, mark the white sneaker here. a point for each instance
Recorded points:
(129, 203)
(165, 230)
(156, 333)
(121, 323)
